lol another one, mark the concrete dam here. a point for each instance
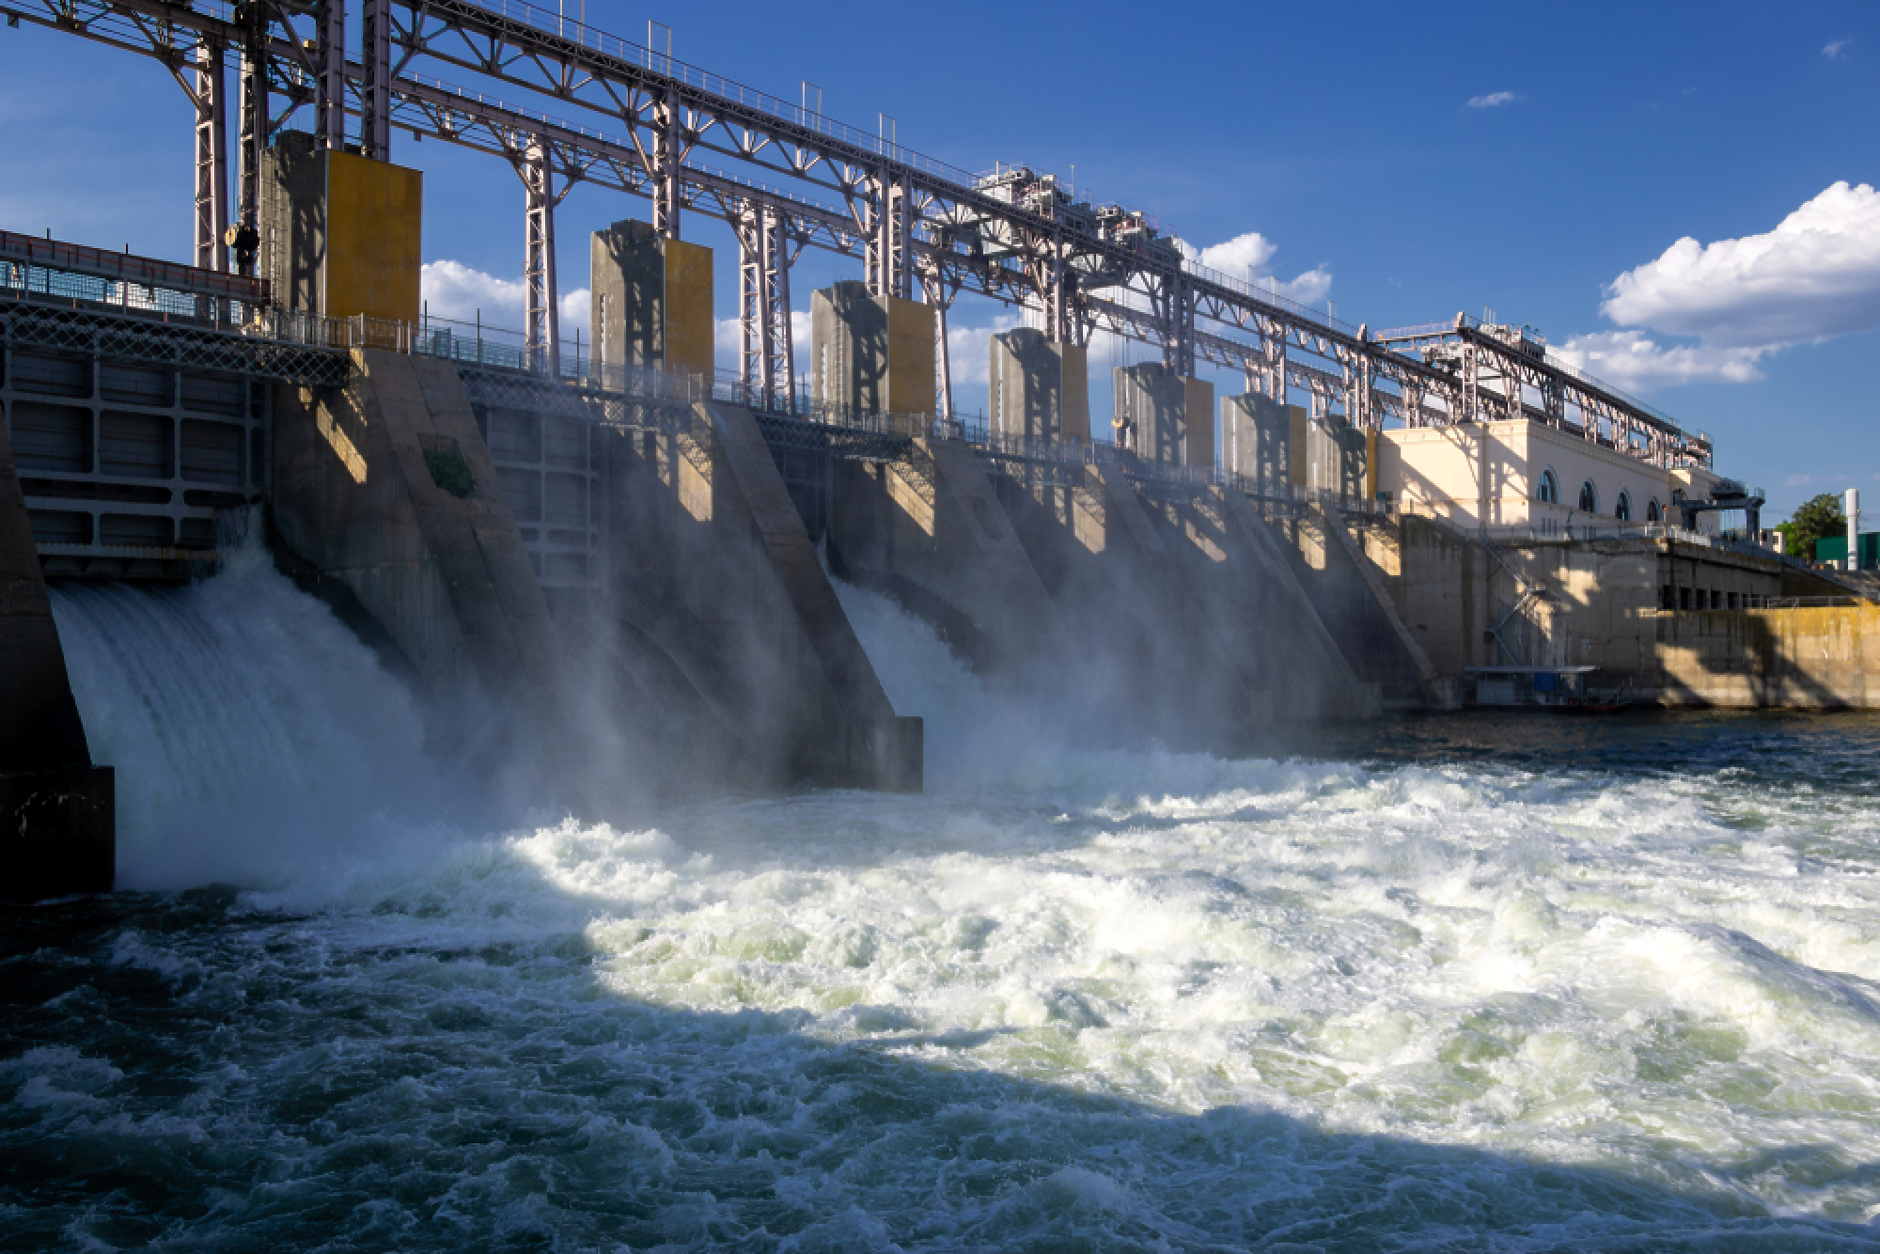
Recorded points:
(615, 571)
(623, 543)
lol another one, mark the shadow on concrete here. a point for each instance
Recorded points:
(1750, 652)
(252, 1088)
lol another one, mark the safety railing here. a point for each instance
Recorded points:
(128, 268)
(26, 282)
(1270, 295)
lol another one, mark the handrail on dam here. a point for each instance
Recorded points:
(486, 347)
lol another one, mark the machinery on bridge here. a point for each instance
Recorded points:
(1726, 494)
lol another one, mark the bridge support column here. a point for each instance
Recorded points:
(253, 144)
(938, 295)
(1171, 415)
(211, 97)
(375, 45)
(885, 210)
(1038, 388)
(542, 315)
(329, 101)
(652, 302)
(766, 354)
(871, 352)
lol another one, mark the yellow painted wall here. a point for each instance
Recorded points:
(1296, 446)
(688, 348)
(1198, 419)
(911, 378)
(1370, 465)
(1075, 398)
(374, 238)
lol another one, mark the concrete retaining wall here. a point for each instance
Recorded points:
(929, 531)
(1601, 603)
(1803, 658)
(57, 811)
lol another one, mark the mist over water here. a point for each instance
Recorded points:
(1458, 984)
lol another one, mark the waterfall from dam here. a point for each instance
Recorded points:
(1484, 983)
(250, 729)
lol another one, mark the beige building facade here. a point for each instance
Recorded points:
(1524, 474)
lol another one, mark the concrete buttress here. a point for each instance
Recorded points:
(710, 560)
(1311, 645)
(447, 577)
(1147, 658)
(929, 531)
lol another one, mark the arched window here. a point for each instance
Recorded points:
(1623, 510)
(1549, 489)
(1589, 497)
(1652, 512)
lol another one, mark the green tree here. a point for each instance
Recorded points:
(1818, 516)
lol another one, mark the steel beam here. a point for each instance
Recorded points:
(541, 316)
(375, 48)
(766, 356)
(252, 22)
(902, 206)
(329, 108)
(211, 98)
(667, 161)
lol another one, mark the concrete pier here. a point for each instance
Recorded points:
(1147, 658)
(1168, 417)
(57, 810)
(1332, 458)
(1331, 570)
(651, 301)
(1258, 613)
(1256, 441)
(871, 352)
(928, 530)
(343, 234)
(1037, 388)
(714, 569)
(446, 576)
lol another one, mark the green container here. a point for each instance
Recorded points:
(1834, 549)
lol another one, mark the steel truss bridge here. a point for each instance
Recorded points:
(786, 177)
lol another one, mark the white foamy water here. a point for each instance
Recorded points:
(1068, 999)
(251, 732)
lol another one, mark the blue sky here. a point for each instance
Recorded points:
(1543, 161)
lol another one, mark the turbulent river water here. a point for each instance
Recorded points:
(1458, 983)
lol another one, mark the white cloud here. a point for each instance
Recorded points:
(1310, 288)
(453, 290)
(969, 358)
(1816, 276)
(727, 343)
(1834, 50)
(1238, 255)
(1495, 99)
(1634, 362)
(1251, 252)
(577, 308)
